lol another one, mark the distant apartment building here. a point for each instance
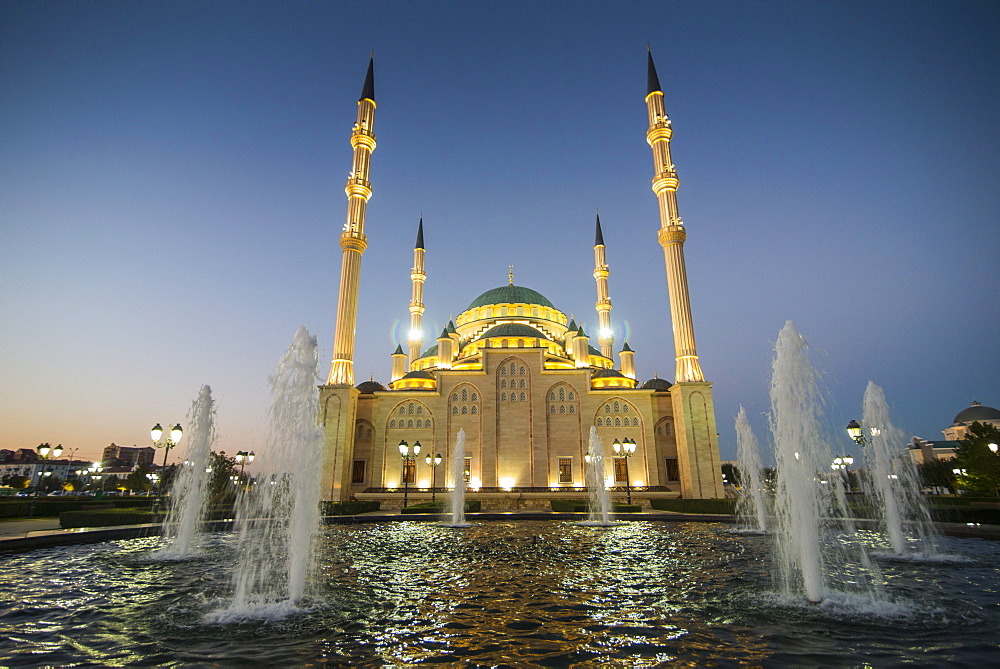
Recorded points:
(131, 456)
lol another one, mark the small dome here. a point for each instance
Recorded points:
(594, 351)
(511, 295)
(513, 330)
(606, 373)
(657, 384)
(976, 412)
(418, 374)
(369, 387)
(433, 350)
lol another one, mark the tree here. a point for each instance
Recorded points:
(137, 481)
(16, 481)
(732, 474)
(937, 474)
(980, 464)
(220, 483)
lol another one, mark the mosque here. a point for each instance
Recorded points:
(521, 380)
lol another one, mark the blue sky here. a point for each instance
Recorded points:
(172, 193)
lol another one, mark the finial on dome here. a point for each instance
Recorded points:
(510, 276)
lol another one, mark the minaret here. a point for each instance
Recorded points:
(627, 357)
(353, 240)
(672, 233)
(398, 363)
(417, 275)
(605, 335)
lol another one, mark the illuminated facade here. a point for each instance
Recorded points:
(520, 379)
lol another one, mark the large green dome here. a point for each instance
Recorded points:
(511, 294)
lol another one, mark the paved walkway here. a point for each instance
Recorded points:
(20, 527)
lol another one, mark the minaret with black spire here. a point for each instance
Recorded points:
(415, 338)
(672, 232)
(605, 335)
(691, 395)
(352, 239)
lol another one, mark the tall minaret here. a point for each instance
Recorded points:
(353, 240)
(417, 275)
(605, 335)
(672, 233)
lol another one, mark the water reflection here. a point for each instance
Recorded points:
(525, 594)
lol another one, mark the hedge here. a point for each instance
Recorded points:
(14, 509)
(579, 506)
(709, 506)
(105, 518)
(351, 508)
(471, 506)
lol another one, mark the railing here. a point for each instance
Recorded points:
(537, 489)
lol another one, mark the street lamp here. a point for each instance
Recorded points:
(243, 458)
(994, 447)
(167, 443)
(409, 454)
(625, 448)
(433, 462)
(855, 432)
(43, 452)
(841, 464)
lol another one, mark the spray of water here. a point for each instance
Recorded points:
(188, 494)
(458, 483)
(751, 506)
(893, 483)
(277, 518)
(810, 549)
(599, 507)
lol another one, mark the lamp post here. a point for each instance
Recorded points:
(243, 458)
(625, 448)
(409, 454)
(43, 452)
(166, 443)
(841, 464)
(855, 432)
(433, 461)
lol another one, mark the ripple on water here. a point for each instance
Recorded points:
(534, 594)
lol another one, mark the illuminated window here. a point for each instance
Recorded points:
(409, 471)
(358, 472)
(673, 470)
(467, 470)
(620, 476)
(565, 470)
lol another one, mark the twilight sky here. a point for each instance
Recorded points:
(171, 194)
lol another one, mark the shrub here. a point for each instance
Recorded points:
(710, 506)
(105, 518)
(471, 506)
(14, 509)
(351, 508)
(581, 506)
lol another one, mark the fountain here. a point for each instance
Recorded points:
(893, 484)
(277, 518)
(188, 493)
(458, 483)
(599, 505)
(808, 552)
(751, 508)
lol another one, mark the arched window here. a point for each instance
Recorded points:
(571, 397)
(513, 397)
(475, 410)
(572, 408)
(503, 383)
(625, 408)
(552, 408)
(635, 422)
(402, 410)
(392, 424)
(409, 409)
(454, 398)
(465, 410)
(503, 397)
(503, 371)
(465, 394)
(618, 421)
(523, 397)
(419, 423)
(523, 371)
(617, 407)
(522, 385)
(475, 397)
(420, 408)
(552, 397)
(368, 434)
(562, 394)
(513, 369)
(607, 408)
(454, 411)
(562, 408)
(409, 423)
(600, 422)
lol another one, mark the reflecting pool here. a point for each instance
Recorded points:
(530, 593)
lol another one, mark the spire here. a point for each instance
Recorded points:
(572, 325)
(626, 347)
(450, 328)
(652, 81)
(399, 350)
(599, 238)
(420, 233)
(368, 90)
